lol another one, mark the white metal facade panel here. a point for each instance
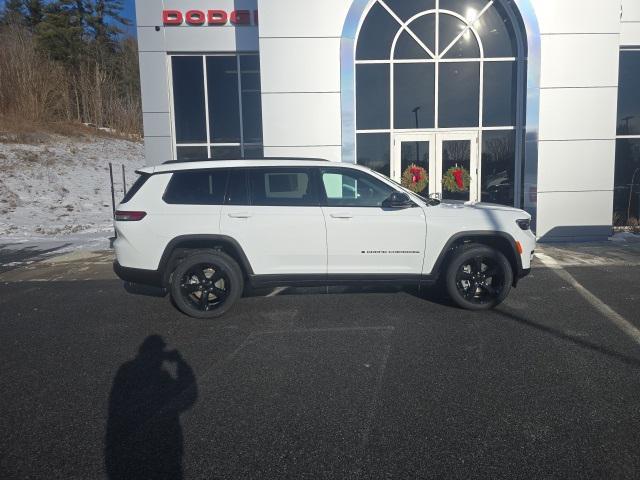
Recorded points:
(580, 165)
(153, 80)
(575, 215)
(302, 18)
(300, 64)
(578, 16)
(579, 60)
(578, 113)
(630, 11)
(157, 150)
(326, 153)
(630, 34)
(301, 119)
(211, 39)
(157, 124)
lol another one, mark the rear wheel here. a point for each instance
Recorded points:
(206, 284)
(478, 277)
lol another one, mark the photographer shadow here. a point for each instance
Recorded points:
(144, 437)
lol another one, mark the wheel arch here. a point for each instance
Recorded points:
(180, 246)
(501, 241)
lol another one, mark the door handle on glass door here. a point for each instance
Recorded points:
(341, 215)
(240, 215)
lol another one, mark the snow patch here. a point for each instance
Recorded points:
(60, 190)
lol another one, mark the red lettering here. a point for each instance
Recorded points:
(241, 17)
(195, 17)
(171, 17)
(217, 17)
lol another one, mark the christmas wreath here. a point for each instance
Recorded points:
(415, 178)
(456, 179)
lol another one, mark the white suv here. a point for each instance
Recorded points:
(203, 230)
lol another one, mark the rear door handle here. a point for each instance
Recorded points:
(240, 215)
(341, 215)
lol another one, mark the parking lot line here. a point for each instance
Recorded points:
(613, 316)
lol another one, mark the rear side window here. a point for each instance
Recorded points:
(196, 187)
(237, 193)
(137, 185)
(282, 187)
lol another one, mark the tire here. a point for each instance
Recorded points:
(212, 273)
(478, 277)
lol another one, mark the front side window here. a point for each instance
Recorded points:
(352, 188)
(282, 187)
(196, 187)
(217, 106)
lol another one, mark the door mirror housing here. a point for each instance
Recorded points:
(397, 200)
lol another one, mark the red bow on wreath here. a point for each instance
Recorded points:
(457, 175)
(415, 174)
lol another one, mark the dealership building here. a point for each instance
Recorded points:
(534, 103)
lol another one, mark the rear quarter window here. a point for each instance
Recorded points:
(196, 187)
(137, 185)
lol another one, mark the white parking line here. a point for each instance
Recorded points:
(277, 291)
(613, 316)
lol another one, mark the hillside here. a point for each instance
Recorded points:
(57, 187)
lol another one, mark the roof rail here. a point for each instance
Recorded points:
(310, 159)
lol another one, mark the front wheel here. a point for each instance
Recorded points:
(206, 284)
(478, 277)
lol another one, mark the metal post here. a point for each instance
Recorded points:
(124, 181)
(113, 193)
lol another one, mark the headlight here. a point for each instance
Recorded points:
(524, 224)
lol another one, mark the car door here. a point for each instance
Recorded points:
(362, 236)
(275, 215)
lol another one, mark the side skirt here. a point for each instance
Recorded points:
(321, 280)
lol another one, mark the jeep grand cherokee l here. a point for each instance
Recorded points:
(203, 230)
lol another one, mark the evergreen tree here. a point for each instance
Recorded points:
(13, 13)
(60, 34)
(34, 13)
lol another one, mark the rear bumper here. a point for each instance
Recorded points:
(138, 275)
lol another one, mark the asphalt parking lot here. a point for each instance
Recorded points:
(100, 383)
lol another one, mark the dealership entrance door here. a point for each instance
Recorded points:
(452, 156)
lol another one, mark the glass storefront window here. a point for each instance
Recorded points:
(188, 100)
(372, 84)
(373, 151)
(626, 191)
(230, 105)
(414, 85)
(224, 101)
(459, 95)
(467, 78)
(500, 94)
(628, 93)
(498, 162)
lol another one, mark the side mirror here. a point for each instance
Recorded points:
(397, 200)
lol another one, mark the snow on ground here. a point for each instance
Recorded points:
(58, 191)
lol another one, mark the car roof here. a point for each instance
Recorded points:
(174, 166)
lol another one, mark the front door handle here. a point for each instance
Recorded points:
(240, 215)
(341, 215)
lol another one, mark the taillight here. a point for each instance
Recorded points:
(122, 216)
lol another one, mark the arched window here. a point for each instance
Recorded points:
(438, 67)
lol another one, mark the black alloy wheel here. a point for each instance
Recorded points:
(480, 280)
(478, 277)
(206, 284)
